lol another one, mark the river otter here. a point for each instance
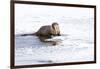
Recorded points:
(46, 32)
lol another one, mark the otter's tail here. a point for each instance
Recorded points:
(28, 34)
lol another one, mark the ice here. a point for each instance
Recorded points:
(76, 42)
(72, 48)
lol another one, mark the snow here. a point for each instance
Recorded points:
(75, 45)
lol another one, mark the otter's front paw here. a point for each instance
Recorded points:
(59, 34)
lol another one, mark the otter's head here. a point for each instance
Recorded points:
(55, 27)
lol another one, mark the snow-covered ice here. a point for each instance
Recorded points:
(76, 43)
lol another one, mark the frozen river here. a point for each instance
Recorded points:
(74, 46)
